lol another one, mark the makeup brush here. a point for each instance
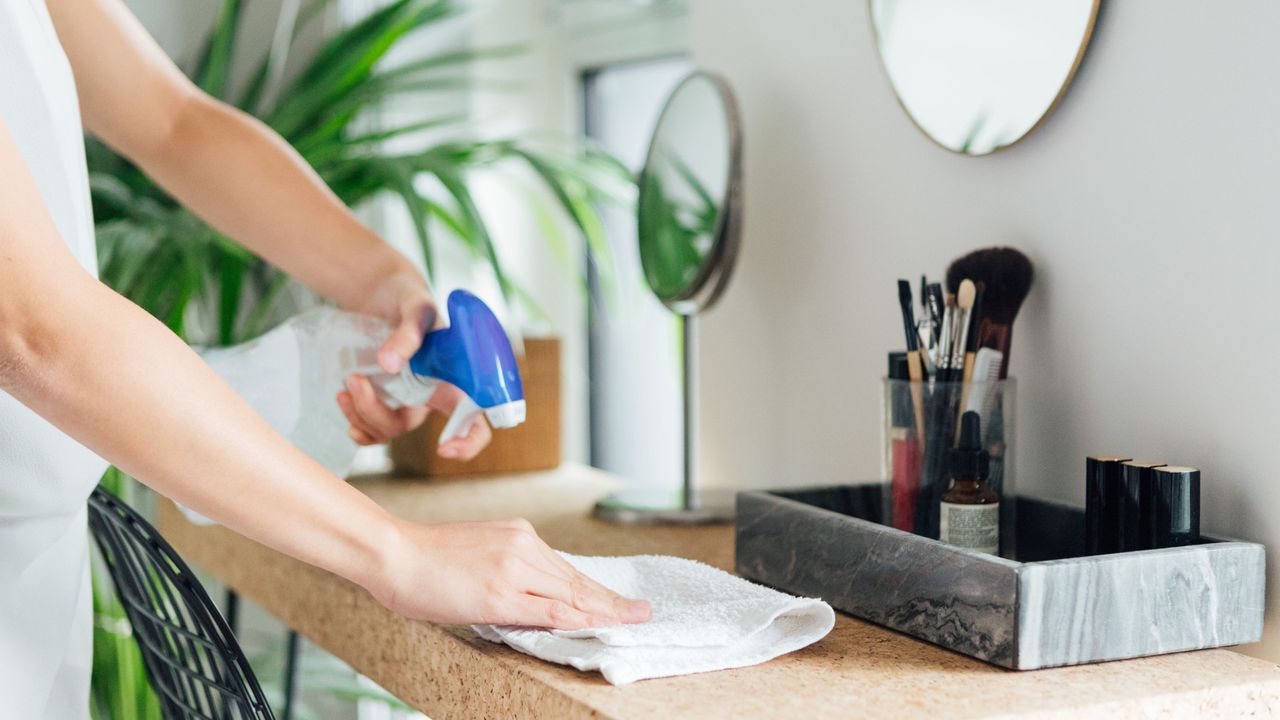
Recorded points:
(926, 327)
(914, 369)
(971, 335)
(970, 351)
(926, 358)
(935, 314)
(1006, 275)
(948, 336)
(924, 296)
(965, 297)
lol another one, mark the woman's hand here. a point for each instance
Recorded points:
(405, 301)
(495, 573)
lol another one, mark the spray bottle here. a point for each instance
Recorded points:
(291, 374)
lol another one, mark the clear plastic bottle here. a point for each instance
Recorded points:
(292, 374)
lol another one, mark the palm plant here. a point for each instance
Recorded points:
(171, 263)
(175, 266)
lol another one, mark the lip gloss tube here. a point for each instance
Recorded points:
(906, 479)
(1175, 511)
(1103, 503)
(904, 447)
(1135, 517)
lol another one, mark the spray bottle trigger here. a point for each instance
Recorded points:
(464, 414)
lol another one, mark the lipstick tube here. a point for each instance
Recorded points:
(1103, 503)
(1175, 507)
(1135, 515)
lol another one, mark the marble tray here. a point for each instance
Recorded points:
(1051, 607)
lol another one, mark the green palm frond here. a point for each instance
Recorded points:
(212, 70)
(165, 259)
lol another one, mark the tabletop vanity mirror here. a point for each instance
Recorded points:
(688, 225)
(977, 76)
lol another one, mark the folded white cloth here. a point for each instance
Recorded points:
(703, 619)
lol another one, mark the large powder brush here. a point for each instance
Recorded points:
(1005, 275)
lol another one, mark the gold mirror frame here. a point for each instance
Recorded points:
(1085, 38)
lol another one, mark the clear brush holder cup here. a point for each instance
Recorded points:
(921, 426)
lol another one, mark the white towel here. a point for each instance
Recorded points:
(703, 619)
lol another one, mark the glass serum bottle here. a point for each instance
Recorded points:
(970, 512)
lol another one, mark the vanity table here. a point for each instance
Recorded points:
(859, 670)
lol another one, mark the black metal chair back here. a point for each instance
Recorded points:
(192, 658)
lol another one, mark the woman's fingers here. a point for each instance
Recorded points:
(360, 431)
(598, 600)
(411, 416)
(361, 437)
(538, 611)
(553, 602)
(445, 398)
(416, 315)
(372, 422)
(382, 420)
(496, 573)
(469, 445)
(557, 579)
(478, 436)
(629, 611)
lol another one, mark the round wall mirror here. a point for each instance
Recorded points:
(688, 208)
(688, 219)
(977, 76)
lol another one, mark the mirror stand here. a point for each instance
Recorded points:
(689, 505)
(688, 223)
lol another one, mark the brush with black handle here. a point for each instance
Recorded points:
(915, 370)
(935, 304)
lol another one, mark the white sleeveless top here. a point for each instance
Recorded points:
(45, 476)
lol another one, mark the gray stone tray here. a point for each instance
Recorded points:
(1051, 607)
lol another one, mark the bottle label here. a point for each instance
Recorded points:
(976, 527)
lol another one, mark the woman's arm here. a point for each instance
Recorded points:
(224, 165)
(116, 380)
(244, 180)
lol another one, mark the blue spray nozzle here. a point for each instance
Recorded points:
(474, 355)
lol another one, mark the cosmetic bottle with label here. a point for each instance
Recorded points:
(970, 510)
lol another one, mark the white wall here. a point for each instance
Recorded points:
(635, 352)
(1148, 203)
(562, 40)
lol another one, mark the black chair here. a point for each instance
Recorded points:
(191, 656)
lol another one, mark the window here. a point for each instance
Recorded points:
(635, 407)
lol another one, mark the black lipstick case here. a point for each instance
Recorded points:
(1104, 503)
(1175, 507)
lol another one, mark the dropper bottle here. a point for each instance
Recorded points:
(970, 512)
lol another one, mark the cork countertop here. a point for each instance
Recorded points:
(859, 670)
